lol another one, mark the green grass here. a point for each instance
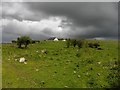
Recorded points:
(56, 68)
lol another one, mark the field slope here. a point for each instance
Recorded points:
(60, 67)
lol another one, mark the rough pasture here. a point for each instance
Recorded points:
(60, 67)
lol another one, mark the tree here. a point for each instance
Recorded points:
(80, 43)
(96, 45)
(23, 40)
(93, 45)
(74, 42)
(68, 43)
(14, 41)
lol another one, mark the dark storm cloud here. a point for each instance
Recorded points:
(101, 15)
(89, 19)
(19, 11)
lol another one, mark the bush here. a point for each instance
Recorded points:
(80, 43)
(14, 41)
(23, 40)
(33, 41)
(74, 42)
(96, 45)
(93, 45)
(68, 43)
(90, 45)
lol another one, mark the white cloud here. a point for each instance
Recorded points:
(45, 27)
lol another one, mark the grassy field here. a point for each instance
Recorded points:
(60, 67)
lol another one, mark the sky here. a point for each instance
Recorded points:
(41, 20)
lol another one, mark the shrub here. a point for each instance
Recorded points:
(68, 43)
(80, 43)
(93, 45)
(33, 41)
(90, 45)
(74, 42)
(96, 45)
(14, 41)
(23, 40)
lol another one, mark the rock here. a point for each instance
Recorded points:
(64, 40)
(98, 74)
(66, 86)
(22, 59)
(37, 69)
(25, 62)
(74, 72)
(99, 62)
(8, 59)
(78, 76)
(44, 51)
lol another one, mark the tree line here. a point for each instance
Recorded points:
(26, 40)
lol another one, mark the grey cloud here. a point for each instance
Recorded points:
(102, 16)
(19, 11)
(85, 13)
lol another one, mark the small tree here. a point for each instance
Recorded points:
(68, 43)
(91, 45)
(14, 41)
(74, 42)
(23, 40)
(96, 45)
(80, 43)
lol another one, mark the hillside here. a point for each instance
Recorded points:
(60, 67)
